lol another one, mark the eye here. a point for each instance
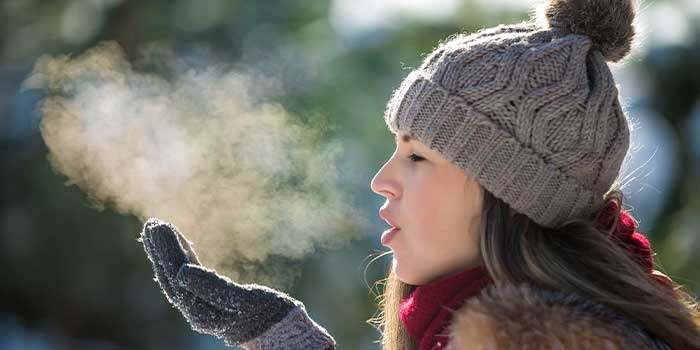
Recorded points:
(415, 158)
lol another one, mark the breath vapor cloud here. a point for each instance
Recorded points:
(252, 185)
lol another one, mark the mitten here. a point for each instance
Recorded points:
(247, 315)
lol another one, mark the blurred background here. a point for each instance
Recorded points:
(73, 275)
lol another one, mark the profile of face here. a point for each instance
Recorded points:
(437, 209)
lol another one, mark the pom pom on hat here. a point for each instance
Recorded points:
(607, 22)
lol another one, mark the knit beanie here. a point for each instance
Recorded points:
(529, 110)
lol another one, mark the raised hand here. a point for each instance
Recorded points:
(251, 316)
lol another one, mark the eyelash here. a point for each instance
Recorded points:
(415, 158)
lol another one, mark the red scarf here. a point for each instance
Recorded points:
(427, 310)
(626, 235)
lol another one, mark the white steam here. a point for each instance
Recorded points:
(241, 177)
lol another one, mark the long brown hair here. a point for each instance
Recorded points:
(576, 257)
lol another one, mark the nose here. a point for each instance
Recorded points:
(382, 183)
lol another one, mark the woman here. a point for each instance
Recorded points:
(569, 288)
(507, 224)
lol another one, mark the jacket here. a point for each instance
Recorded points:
(528, 317)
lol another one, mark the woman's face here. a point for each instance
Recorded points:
(437, 209)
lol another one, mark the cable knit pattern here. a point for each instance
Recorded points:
(531, 113)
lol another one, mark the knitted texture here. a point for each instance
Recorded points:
(531, 112)
(252, 316)
(427, 311)
(622, 228)
(625, 234)
(296, 331)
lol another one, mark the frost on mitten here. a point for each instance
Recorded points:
(252, 316)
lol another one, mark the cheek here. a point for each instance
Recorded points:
(436, 206)
(426, 206)
(436, 223)
(444, 217)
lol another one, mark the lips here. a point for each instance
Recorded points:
(385, 216)
(391, 232)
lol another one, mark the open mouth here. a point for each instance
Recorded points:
(389, 234)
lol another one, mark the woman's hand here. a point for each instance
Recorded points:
(252, 316)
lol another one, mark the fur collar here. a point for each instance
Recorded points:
(527, 317)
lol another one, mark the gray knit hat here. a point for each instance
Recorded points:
(529, 110)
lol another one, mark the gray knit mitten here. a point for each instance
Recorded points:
(250, 316)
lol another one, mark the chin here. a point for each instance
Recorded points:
(405, 277)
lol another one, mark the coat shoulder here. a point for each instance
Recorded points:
(527, 317)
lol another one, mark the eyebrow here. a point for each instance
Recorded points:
(404, 138)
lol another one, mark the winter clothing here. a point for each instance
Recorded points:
(465, 310)
(427, 310)
(528, 317)
(626, 236)
(530, 111)
(515, 317)
(251, 316)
